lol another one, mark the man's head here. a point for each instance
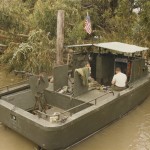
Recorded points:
(87, 64)
(118, 70)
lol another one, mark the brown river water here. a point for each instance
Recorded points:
(132, 132)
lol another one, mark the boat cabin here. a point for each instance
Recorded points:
(105, 57)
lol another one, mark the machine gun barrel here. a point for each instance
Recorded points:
(23, 73)
(28, 74)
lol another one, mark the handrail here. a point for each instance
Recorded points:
(95, 99)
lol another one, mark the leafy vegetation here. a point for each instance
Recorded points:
(35, 55)
(112, 20)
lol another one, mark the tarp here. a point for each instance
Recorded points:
(121, 47)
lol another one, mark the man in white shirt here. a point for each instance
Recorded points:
(119, 80)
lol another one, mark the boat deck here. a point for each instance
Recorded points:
(88, 97)
(93, 95)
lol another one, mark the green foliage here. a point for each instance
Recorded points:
(45, 16)
(112, 20)
(36, 55)
(121, 24)
(144, 23)
(13, 16)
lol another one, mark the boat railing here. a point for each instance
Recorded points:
(58, 115)
(8, 87)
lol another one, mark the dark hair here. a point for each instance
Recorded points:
(118, 69)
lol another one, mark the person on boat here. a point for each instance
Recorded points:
(91, 81)
(119, 80)
(89, 69)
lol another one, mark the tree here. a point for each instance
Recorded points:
(13, 16)
(112, 20)
(144, 22)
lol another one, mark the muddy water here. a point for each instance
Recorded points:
(132, 132)
(9, 140)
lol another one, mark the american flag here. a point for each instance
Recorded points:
(88, 27)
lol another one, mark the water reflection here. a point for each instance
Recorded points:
(142, 139)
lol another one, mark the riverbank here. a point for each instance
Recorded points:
(8, 78)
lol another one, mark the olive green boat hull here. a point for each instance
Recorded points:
(59, 136)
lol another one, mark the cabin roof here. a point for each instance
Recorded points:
(79, 45)
(121, 47)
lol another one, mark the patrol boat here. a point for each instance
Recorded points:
(58, 114)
